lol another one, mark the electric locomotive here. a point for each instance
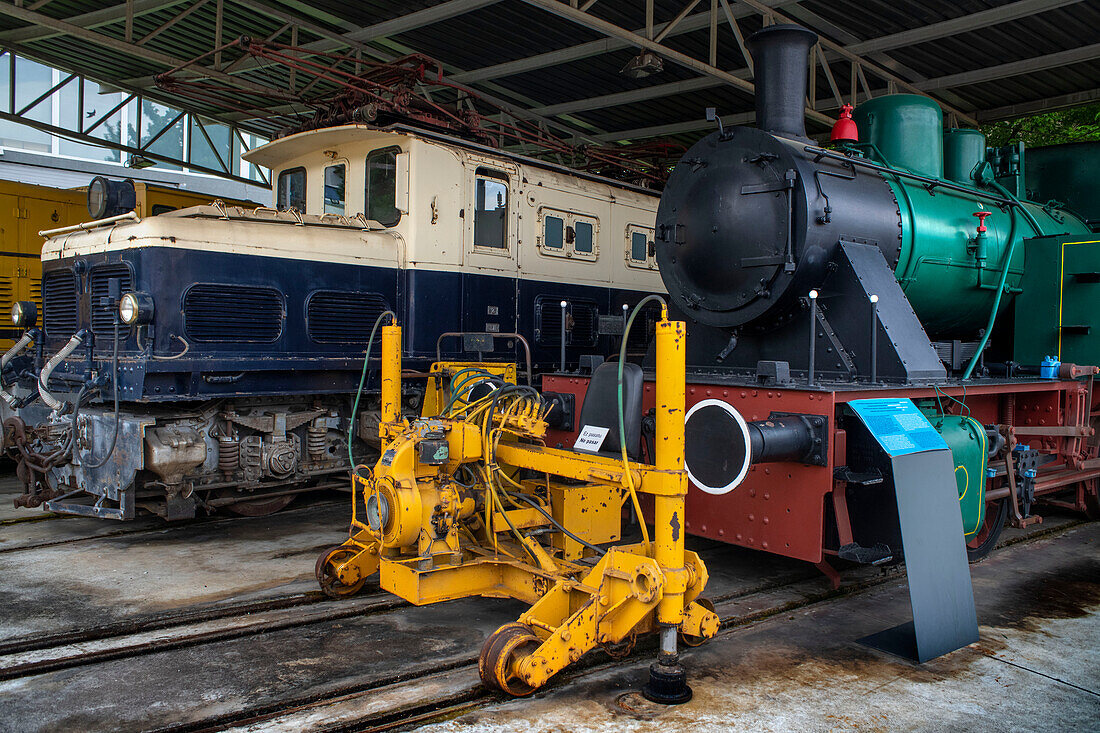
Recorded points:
(210, 357)
(898, 262)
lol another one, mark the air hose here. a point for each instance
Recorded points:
(362, 381)
(622, 432)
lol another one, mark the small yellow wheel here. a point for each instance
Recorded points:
(690, 639)
(499, 655)
(326, 572)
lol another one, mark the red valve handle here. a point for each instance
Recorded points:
(981, 219)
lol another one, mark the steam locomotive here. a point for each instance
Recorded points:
(900, 261)
(209, 358)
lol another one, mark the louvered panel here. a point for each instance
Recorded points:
(61, 307)
(103, 315)
(7, 294)
(583, 324)
(36, 291)
(343, 317)
(233, 313)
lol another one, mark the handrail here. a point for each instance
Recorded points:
(456, 334)
(47, 233)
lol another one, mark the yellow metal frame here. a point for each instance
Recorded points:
(432, 537)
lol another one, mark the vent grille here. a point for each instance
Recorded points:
(7, 294)
(585, 322)
(644, 328)
(343, 317)
(233, 313)
(60, 305)
(36, 292)
(103, 316)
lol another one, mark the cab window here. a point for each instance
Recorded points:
(639, 247)
(491, 210)
(583, 237)
(335, 191)
(291, 191)
(381, 192)
(554, 232)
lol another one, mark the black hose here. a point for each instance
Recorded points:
(567, 533)
(114, 388)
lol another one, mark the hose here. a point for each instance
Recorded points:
(1004, 275)
(359, 390)
(534, 503)
(622, 432)
(8, 356)
(114, 388)
(44, 376)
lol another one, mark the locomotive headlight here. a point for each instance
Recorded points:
(136, 308)
(24, 313)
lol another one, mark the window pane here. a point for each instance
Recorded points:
(638, 247)
(334, 189)
(491, 214)
(292, 190)
(584, 238)
(382, 187)
(555, 228)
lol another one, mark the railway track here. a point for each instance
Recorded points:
(155, 526)
(409, 694)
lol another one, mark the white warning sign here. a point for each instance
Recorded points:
(590, 438)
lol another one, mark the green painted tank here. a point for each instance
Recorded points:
(963, 152)
(906, 130)
(1067, 173)
(969, 446)
(949, 272)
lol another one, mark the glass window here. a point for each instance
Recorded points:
(554, 232)
(639, 247)
(334, 189)
(291, 193)
(491, 211)
(381, 194)
(583, 238)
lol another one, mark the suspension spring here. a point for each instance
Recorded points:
(317, 441)
(229, 454)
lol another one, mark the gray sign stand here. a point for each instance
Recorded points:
(940, 590)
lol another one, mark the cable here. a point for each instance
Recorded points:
(359, 391)
(533, 502)
(114, 388)
(622, 431)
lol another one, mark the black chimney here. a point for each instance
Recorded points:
(781, 62)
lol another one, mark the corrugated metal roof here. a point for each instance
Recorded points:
(963, 64)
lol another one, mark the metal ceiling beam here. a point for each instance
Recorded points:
(610, 29)
(1014, 68)
(115, 44)
(676, 128)
(635, 95)
(963, 24)
(94, 19)
(1050, 104)
(595, 48)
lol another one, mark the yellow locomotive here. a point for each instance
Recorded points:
(26, 210)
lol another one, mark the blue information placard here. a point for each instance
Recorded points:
(898, 426)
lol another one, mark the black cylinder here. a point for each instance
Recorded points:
(780, 439)
(781, 63)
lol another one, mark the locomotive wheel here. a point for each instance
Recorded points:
(330, 584)
(691, 639)
(259, 506)
(985, 539)
(504, 647)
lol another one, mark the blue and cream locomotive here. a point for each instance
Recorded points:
(209, 357)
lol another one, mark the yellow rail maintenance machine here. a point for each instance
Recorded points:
(471, 502)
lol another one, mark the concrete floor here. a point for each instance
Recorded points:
(1036, 667)
(359, 663)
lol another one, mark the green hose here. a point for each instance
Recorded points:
(1004, 276)
(362, 381)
